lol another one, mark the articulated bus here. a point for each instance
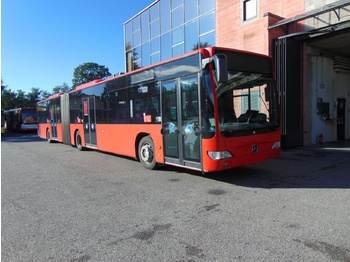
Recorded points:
(21, 119)
(209, 110)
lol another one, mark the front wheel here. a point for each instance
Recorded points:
(146, 153)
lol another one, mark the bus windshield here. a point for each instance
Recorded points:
(29, 117)
(247, 104)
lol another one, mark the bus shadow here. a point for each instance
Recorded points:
(309, 167)
(295, 168)
(12, 137)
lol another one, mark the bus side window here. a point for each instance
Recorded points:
(151, 111)
(167, 114)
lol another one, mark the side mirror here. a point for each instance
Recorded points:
(220, 63)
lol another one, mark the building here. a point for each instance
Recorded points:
(309, 40)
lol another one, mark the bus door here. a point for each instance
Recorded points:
(53, 120)
(180, 122)
(89, 121)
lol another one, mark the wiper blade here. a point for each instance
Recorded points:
(271, 127)
(228, 132)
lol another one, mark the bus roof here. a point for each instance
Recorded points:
(97, 81)
(88, 84)
(205, 51)
(52, 97)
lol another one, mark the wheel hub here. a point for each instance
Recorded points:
(147, 153)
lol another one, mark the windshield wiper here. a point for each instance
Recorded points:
(271, 127)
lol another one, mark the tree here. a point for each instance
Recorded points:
(3, 87)
(200, 45)
(44, 94)
(8, 99)
(20, 100)
(88, 72)
(11, 99)
(61, 88)
(33, 97)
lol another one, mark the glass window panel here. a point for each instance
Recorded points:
(191, 9)
(155, 30)
(178, 50)
(165, 16)
(155, 45)
(165, 46)
(136, 23)
(207, 40)
(205, 6)
(207, 23)
(155, 58)
(191, 36)
(145, 26)
(154, 12)
(145, 54)
(137, 53)
(178, 35)
(137, 38)
(119, 107)
(129, 61)
(177, 17)
(175, 3)
(137, 64)
(128, 35)
(250, 9)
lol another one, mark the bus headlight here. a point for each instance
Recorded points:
(217, 155)
(276, 145)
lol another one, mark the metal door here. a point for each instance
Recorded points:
(288, 75)
(89, 121)
(180, 120)
(53, 120)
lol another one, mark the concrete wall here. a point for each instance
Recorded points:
(323, 83)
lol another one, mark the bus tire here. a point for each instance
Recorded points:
(48, 136)
(146, 153)
(78, 143)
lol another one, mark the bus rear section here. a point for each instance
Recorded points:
(21, 120)
(53, 118)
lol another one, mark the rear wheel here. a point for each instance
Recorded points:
(146, 153)
(48, 136)
(78, 143)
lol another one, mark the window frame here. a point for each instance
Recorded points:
(247, 6)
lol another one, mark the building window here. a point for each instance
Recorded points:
(254, 101)
(249, 9)
(168, 28)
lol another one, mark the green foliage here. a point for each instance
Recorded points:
(10, 99)
(61, 88)
(200, 45)
(82, 74)
(88, 72)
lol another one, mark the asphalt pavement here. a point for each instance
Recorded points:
(61, 204)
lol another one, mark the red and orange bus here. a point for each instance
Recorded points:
(209, 110)
(21, 119)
